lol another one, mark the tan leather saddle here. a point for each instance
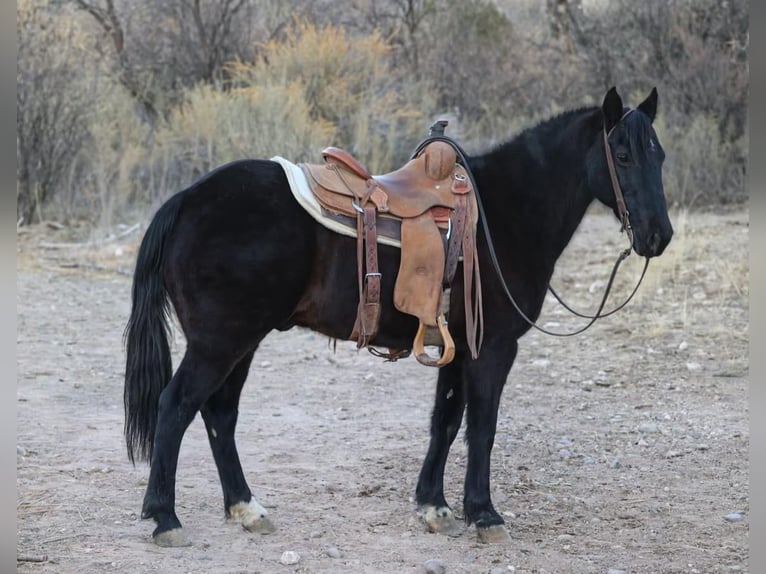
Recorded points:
(430, 207)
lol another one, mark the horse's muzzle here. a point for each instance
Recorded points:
(654, 243)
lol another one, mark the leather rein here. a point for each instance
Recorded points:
(625, 226)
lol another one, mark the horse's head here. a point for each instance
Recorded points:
(637, 158)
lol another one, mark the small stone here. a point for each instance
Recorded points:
(20, 450)
(733, 517)
(648, 428)
(673, 454)
(498, 571)
(565, 454)
(289, 557)
(435, 566)
(616, 463)
(202, 556)
(703, 447)
(333, 552)
(615, 571)
(683, 346)
(565, 441)
(692, 366)
(316, 533)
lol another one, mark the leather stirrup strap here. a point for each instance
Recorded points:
(465, 242)
(418, 345)
(455, 243)
(368, 313)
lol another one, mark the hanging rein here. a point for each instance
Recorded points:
(625, 227)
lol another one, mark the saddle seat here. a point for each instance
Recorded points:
(419, 185)
(429, 206)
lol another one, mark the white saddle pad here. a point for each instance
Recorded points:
(303, 195)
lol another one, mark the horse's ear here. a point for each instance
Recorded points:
(612, 108)
(649, 105)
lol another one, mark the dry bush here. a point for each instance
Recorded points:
(122, 103)
(80, 141)
(161, 48)
(701, 166)
(315, 87)
(695, 52)
(214, 127)
(348, 82)
(109, 185)
(54, 103)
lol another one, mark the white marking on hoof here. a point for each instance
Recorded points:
(497, 534)
(252, 517)
(172, 538)
(440, 519)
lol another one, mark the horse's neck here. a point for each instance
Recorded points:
(533, 202)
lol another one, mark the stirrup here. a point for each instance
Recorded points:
(448, 352)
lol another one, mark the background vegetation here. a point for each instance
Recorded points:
(121, 103)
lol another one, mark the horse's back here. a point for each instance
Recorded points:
(241, 249)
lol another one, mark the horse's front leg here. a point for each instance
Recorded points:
(485, 379)
(445, 423)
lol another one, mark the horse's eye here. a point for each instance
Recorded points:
(622, 157)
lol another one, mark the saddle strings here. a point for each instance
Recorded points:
(493, 256)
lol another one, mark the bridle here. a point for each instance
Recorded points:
(625, 226)
(620, 199)
(624, 215)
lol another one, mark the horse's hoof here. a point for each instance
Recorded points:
(441, 520)
(252, 517)
(497, 534)
(173, 538)
(260, 526)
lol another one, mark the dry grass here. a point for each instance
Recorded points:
(706, 266)
(704, 272)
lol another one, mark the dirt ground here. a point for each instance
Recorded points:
(622, 449)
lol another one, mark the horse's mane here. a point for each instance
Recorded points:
(543, 128)
(638, 129)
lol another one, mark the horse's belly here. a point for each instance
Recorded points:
(329, 302)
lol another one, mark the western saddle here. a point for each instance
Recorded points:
(429, 205)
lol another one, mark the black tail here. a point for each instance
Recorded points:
(148, 368)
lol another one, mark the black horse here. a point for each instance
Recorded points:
(238, 257)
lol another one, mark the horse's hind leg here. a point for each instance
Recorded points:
(445, 423)
(198, 376)
(220, 416)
